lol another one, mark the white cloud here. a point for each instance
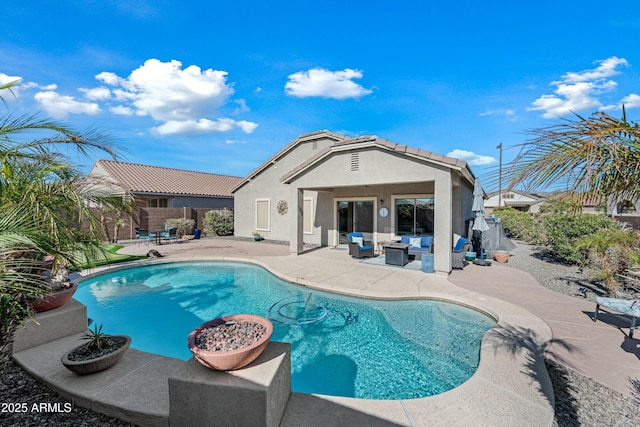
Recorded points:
(60, 106)
(508, 113)
(121, 110)
(631, 101)
(326, 84)
(166, 92)
(607, 68)
(97, 94)
(472, 158)
(201, 126)
(182, 99)
(578, 91)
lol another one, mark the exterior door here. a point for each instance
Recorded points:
(356, 215)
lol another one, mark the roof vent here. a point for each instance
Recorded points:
(355, 162)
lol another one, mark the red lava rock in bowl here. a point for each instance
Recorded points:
(230, 342)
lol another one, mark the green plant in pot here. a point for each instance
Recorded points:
(256, 236)
(100, 351)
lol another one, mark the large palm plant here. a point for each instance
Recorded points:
(594, 157)
(44, 201)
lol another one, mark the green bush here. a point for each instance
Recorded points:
(520, 224)
(218, 223)
(564, 230)
(184, 225)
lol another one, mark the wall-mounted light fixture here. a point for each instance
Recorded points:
(381, 201)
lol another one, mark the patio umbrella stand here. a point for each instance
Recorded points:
(479, 224)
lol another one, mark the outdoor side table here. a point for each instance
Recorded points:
(428, 263)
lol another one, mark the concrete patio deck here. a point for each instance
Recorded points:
(511, 386)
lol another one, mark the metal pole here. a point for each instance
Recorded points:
(500, 177)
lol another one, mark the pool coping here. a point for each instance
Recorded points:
(510, 387)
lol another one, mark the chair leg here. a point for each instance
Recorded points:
(633, 327)
(595, 315)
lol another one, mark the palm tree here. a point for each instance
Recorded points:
(593, 157)
(44, 201)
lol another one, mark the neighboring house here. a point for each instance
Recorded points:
(158, 187)
(324, 185)
(521, 201)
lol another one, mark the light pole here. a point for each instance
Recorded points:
(499, 147)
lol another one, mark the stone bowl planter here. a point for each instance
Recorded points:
(55, 299)
(501, 256)
(470, 256)
(234, 359)
(91, 366)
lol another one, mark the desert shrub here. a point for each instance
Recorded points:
(520, 224)
(564, 230)
(218, 223)
(184, 225)
(611, 251)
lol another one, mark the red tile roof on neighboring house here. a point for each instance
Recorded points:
(158, 180)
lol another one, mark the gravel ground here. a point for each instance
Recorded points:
(580, 401)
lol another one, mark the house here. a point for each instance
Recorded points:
(159, 187)
(521, 201)
(161, 193)
(323, 185)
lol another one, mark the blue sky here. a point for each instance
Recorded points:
(221, 86)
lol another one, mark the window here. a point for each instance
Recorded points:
(263, 217)
(307, 216)
(159, 203)
(414, 216)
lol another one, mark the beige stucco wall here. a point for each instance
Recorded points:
(267, 185)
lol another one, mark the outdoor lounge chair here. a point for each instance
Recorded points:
(358, 247)
(457, 254)
(626, 307)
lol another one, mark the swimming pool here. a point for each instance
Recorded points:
(340, 345)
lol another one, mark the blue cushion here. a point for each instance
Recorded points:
(366, 248)
(460, 244)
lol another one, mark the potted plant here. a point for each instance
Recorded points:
(230, 342)
(59, 289)
(256, 236)
(101, 351)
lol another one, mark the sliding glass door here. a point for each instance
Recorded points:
(354, 215)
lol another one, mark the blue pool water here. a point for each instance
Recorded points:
(340, 345)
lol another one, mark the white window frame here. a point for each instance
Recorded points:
(258, 201)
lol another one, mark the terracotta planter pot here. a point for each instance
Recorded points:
(501, 256)
(55, 299)
(235, 359)
(91, 366)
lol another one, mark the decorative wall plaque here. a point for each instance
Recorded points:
(282, 207)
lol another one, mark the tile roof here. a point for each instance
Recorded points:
(159, 180)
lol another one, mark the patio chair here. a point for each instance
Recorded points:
(459, 250)
(172, 234)
(358, 247)
(144, 235)
(622, 307)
